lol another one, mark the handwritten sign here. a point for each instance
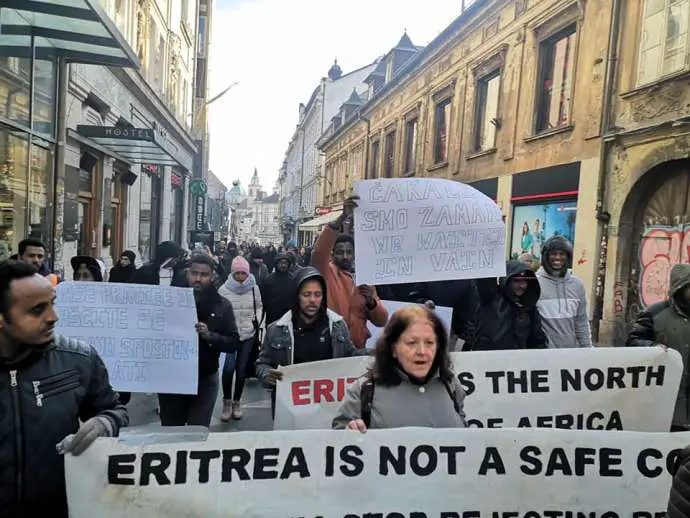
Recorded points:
(406, 472)
(426, 229)
(145, 334)
(445, 314)
(608, 388)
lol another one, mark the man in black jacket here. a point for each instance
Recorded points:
(217, 332)
(278, 290)
(48, 383)
(508, 317)
(164, 267)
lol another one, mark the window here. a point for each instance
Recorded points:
(664, 39)
(556, 80)
(374, 166)
(486, 115)
(390, 154)
(441, 132)
(410, 145)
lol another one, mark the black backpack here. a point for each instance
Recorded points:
(366, 398)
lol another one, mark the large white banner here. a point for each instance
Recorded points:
(145, 334)
(595, 388)
(415, 472)
(426, 229)
(445, 314)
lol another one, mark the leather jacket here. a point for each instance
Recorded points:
(43, 395)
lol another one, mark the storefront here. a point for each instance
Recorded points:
(32, 57)
(176, 205)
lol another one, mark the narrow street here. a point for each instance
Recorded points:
(256, 408)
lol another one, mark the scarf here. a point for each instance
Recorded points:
(240, 288)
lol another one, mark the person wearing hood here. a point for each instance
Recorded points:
(257, 266)
(278, 290)
(125, 269)
(334, 255)
(217, 332)
(87, 268)
(164, 267)
(309, 332)
(563, 300)
(667, 324)
(508, 317)
(243, 294)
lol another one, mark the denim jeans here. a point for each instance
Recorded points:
(236, 366)
(191, 410)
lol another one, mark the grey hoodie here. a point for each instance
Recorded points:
(563, 309)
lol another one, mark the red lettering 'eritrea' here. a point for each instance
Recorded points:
(318, 391)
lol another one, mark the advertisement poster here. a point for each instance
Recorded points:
(534, 224)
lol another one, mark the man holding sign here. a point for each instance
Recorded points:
(49, 384)
(333, 255)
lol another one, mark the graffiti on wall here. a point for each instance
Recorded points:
(661, 247)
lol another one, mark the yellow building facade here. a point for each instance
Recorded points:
(508, 98)
(647, 188)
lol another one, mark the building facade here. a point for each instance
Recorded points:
(216, 207)
(508, 98)
(646, 193)
(303, 166)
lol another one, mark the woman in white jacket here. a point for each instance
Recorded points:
(244, 295)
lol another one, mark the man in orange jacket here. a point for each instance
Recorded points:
(333, 255)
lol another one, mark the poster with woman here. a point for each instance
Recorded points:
(534, 224)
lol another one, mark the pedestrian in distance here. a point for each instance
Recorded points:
(125, 268)
(411, 382)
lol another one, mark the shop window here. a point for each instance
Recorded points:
(410, 146)
(44, 97)
(534, 223)
(486, 113)
(390, 155)
(374, 162)
(554, 94)
(664, 39)
(441, 129)
(87, 204)
(15, 74)
(145, 218)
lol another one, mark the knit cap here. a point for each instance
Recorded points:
(240, 264)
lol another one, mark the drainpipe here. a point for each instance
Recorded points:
(301, 186)
(602, 215)
(366, 152)
(59, 162)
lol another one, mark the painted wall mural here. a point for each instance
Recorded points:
(661, 247)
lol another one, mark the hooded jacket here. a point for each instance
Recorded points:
(279, 344)
(278, 291)
(668, 323)
(149, 273)
(119, 273)
(563, 301)
(259, 271)
(247, 307)
(343, 298)
(459, 295)
(504, 321)
(679, 498)
(43, 396)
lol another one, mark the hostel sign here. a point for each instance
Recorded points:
(200, 212)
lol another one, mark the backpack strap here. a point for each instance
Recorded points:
(451, 392)
(366, 398)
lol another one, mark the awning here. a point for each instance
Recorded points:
(138, 145)
(79, 31)
(317, 223)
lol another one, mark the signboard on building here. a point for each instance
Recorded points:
(200, 212)
(321, 211)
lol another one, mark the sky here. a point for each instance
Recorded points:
(278, 51)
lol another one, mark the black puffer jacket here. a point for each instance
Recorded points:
(503, 320)
(278, 292)
(43, 395)
(679, 499)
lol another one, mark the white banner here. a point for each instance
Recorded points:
(415, 472)
(426, 229)
(445, 314)
(597, 388)
(145, 334)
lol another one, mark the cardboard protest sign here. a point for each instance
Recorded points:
(445, 314)
(426, 229)
(606, 388)
(406, 472)
(144, 334)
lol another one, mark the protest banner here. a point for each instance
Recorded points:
(604, 388)
(445, 314)
(426, 229)
(401, 473)
(144, 334)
